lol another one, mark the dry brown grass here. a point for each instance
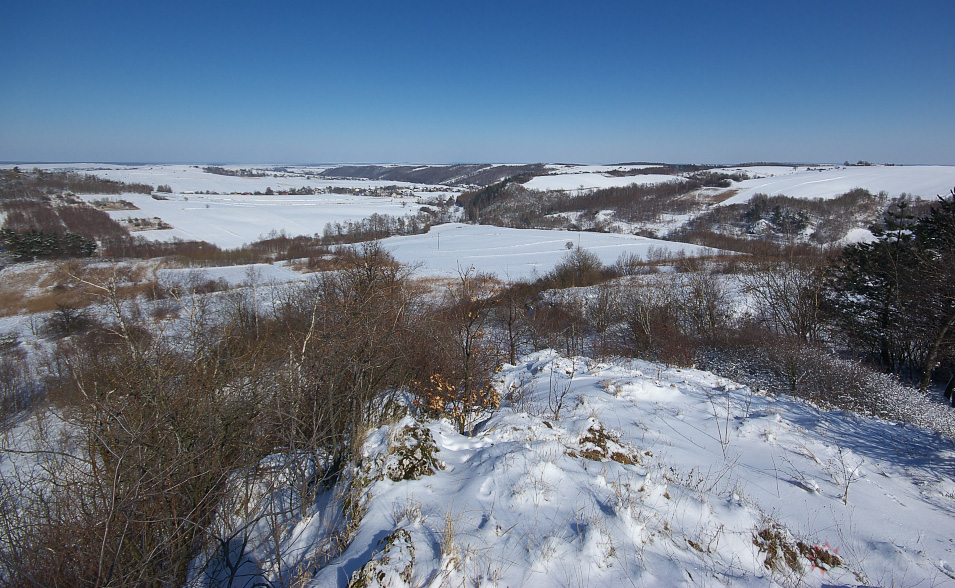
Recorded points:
(441, 284)
(434, 283)
(318, 264)
(46, 286)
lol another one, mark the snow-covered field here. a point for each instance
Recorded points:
(256, 274)
(230, 218)
(231, 221)
(578, 181)
(576, 178)
(192, 178)
(821, 181)
(515, 253)
(647, 476)
(924, 181)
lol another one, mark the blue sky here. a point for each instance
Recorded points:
(514, 81)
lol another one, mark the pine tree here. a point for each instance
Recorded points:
(935, 316)
(870, 287)
(894, 298)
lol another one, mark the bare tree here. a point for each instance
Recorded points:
(788, 293)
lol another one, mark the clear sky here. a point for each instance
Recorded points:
(491, 81)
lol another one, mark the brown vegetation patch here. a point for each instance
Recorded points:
(600, 445)
(784, 554)
(45, 287)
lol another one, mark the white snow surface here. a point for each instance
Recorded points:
(514, 254)
(191, 178)
(923, 181)
(572, 168)
(255, 274)
(533, 498)
(819, 181)
(858, 235)
(233, 220)
(580, 181)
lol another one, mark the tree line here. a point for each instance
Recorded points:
(508, 203)
(37, 184)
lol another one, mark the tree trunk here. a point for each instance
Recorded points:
(933, 354)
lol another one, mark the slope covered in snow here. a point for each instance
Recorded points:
(632, 474)
(193, 178)
(577, 181)
(924, 181)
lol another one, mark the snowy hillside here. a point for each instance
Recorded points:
(592, 472)
(192, 178)
(226, 211)
(590, 177)
(631, 474)
(822, 181)
(925, 181)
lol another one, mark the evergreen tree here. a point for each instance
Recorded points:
(894, 298)
(935, 305)
(868, 289)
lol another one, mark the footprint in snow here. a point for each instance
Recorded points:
(947, 568)
(487, 488)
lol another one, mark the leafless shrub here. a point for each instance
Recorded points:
(557, 325)
(19, 388)
(66, 321)
(579, 267)
(510, 318)
(453, 369)
(167, 432)
(663, 319)
(788, 292)
(155, 433)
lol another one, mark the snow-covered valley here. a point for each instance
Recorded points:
(577, 467)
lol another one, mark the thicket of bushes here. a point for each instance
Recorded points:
(37, 225)
(166, 433)
(894, 298)
(30, 245)
(37, 184)
(509, 204)
(782, 218)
